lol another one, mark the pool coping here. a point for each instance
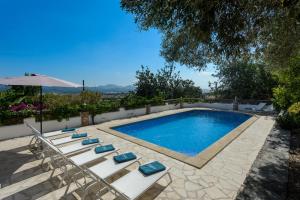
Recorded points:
(197, 161)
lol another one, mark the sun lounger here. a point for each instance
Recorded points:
(73, 148)
(52, 133)
(101, 171)
(89, 156)
(65, 140)
(258, 107)
(55, 142)
(59, 133)
(81, 160)
(59, 156)
(134, 184)
(65, 150)
(109, 167)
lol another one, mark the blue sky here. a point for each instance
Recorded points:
(74, 40)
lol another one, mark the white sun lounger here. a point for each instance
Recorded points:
(89, 156)
(55, 142)
(81, 160)
(73, 148)
(134, 184)
(101, 171)
(258, 107)
(65, 151)
(60, 159)
(49, 134)
(65, 140)
(109, 167)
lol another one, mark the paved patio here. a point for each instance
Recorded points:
(21, 177)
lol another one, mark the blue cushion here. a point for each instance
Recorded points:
(152, 168)
(68, 129)
(104, 148)
(79, 135)
(124, 157)
(90, 141)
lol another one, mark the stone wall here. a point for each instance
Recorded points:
(19, 130)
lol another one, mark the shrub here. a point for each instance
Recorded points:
(287, 94)
(132, 101)
(281, 98)
(8, 117)
(294, 112)
(291, 118)
(156, 101)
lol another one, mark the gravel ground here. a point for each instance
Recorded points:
(268, 177)
(294, 167)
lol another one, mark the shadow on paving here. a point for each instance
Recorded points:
(11, 161)
(36, 191)
(268, 176)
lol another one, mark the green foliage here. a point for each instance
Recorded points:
(147, 83)
(288, 91)
(89, 97)
(101, 107)
(132, 101)
(281, 98)
(8, 117)
(287, 94)
(156, 101)
(291, 118)
(107, 106)
(285, 121)
(199, 32)
(244, 80)
(166, 83)
(294, 109)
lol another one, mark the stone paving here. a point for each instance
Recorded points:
(22, 178)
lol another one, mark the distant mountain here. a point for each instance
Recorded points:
(106, 89)
(3, 87)
(110, 88)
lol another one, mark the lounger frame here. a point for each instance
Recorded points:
(118, 193)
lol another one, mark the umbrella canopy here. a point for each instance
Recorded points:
(37, 80)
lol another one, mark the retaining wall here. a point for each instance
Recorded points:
(19, 130)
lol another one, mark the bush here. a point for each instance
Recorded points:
(294, 112)
(281, 98)
(156, 101)
(107, 106)
(291, 118)
(132, 101)
(287, 94)
(8, 117)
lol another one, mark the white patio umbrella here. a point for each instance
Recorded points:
(37, 80)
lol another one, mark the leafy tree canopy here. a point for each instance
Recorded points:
(244, 80)
(166, 83)
(288, 91)
(197, 32)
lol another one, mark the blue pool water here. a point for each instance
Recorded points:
(188, 132)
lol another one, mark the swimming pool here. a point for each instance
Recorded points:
(188, 132)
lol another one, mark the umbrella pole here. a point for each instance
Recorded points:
(41, 110)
